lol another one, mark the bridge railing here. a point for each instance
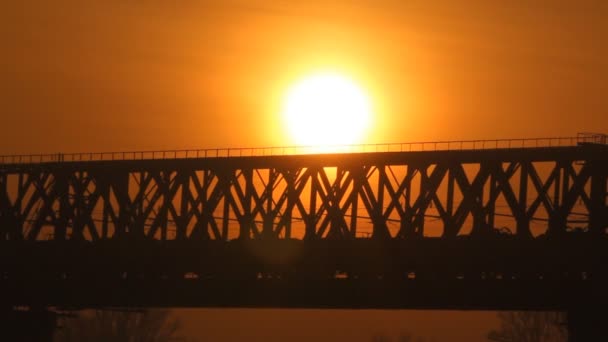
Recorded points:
(300, 150)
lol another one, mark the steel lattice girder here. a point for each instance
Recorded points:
(382, 195)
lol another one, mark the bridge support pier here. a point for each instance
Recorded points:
(27, 325)
(587, 324)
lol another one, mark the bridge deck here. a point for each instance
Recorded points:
(463, 145)
(496, 274)
(566, 154)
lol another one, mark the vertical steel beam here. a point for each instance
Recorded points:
(246, 220)
(495, 167)
(311, 217)
(269, 213)
(598, 210)
(449, 228)
(420, 210)
(225, 193)
(523, 219)
(357, 174)
(292, 197)
(559, 215)
(6, 208)
(42, 198)
(205, 221)
(164, 187)
(60, 192)
(120, 186)
(478, 209)
(181, 221)
(103, 187)
(79, 213)
(560, 171)
(380, 229)
(407, 228)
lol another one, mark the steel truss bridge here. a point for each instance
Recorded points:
(499, 225)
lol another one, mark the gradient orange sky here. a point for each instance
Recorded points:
(132, 75)
(116, 75)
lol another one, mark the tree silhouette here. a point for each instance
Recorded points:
(530, 326)
(119, 326)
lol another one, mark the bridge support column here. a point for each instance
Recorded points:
(27, 325)
(598, 218)
(587, 324)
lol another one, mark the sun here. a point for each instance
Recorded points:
(326, 109)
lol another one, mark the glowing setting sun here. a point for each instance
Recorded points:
(326, 109)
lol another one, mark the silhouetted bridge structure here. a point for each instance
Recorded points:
(499, 225)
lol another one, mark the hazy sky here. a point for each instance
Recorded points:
(137, 74)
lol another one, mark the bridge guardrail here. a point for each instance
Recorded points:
(582, 138)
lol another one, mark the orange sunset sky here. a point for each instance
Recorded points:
(123, 75)
(138, 75)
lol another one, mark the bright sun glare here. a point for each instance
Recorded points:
(326, 109)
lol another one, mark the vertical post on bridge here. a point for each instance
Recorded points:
(490, 208)
(598, 211)
(380, 229)
(10, 227)
(246, 222)
(421, 210)
(119, 181)
(523, 218)
(268, 219)
(292, 198)
(407, 228)
(449, 226)
(61, 194)
(357, 174)
(311, 218)
(5, 208)
(478, 210)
